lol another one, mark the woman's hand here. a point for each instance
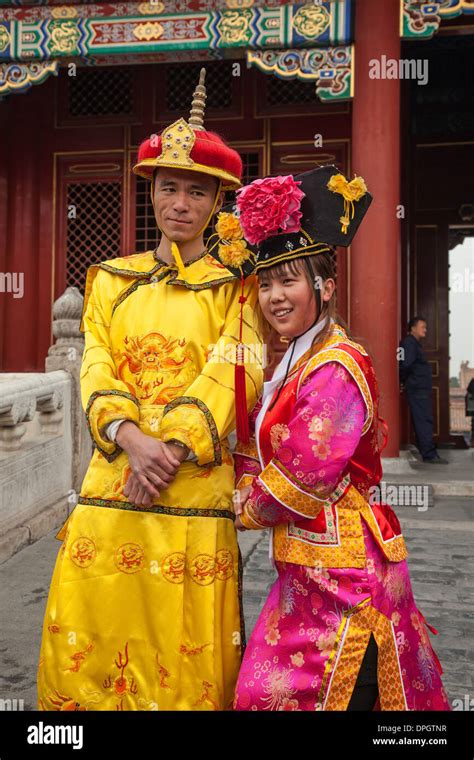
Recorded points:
(238, 524)
(241, 497)
(239, 503)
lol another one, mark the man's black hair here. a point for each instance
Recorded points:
(414, 321)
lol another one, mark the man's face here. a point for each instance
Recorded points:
(183, 201)
(419, 330)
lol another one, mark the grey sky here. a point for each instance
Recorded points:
(461, 304)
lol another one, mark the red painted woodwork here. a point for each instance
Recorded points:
(39, 164)
(375, 275)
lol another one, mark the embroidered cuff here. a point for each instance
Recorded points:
(287, 493)
(246, 463)
(187, 419)
(103, 408)
(247, 517)
(244, 480)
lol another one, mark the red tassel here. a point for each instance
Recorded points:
(433, 630)
(241, 413)
(438, 664)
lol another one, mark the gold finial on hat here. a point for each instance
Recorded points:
(196, 118)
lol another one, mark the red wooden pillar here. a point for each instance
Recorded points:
(22, 234)
(375, 252)
(3, 224)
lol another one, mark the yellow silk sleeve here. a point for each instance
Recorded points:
(104, 396)
(206, 414)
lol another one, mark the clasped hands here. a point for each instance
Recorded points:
(154, 464)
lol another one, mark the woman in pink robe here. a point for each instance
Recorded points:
(340, 629)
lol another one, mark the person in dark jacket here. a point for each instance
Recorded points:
(416, 379)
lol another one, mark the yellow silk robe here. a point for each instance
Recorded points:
(145, 604)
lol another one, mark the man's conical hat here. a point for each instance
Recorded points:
(187, 145)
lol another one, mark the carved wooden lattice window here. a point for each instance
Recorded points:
(99, 95)
(147, 235)
(100, 91)
(93, 231)
(182, 80)
(289, 91)
(252, 169)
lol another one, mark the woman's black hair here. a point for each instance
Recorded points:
(279, 270)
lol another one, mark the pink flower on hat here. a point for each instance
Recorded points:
(269, 206)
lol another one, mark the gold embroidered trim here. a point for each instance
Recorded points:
(361, 624)
(209, 419)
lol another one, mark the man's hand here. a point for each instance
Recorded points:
(136, 493)
(153, 463)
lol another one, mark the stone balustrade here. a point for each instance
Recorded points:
(44, 443)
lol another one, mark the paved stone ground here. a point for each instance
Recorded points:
(440, 559)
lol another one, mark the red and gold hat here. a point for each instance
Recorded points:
(187, 145)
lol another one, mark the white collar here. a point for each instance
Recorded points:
(303, 343)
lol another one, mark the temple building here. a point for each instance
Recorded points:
(382, 89)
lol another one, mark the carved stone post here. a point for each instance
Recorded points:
(12, 423)
(66, 354)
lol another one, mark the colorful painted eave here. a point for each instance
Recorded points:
(332, 68)
(129, 28)
(421, 20)
(291, 40)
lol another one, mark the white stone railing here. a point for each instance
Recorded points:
(35, 456)
(44, 443)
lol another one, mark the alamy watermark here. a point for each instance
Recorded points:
(11, 705)
(404, 68)
(12, 282)
(400, 495)
(466, 704)
(229, 353)
(42, 733)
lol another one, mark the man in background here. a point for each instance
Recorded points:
(417, 382)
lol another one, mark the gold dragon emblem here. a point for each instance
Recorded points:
(311, 21)
(162, 367)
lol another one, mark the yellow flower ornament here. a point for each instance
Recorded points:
(351, 191)
(233, 249)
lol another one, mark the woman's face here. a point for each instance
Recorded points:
(287, 301)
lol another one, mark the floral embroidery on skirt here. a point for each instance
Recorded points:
(309, 640)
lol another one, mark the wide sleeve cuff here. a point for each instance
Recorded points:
(247, 518)
(188, 420)
(246, 463)
(103, 408)
(284, 488)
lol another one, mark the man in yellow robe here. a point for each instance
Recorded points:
(145, 605)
